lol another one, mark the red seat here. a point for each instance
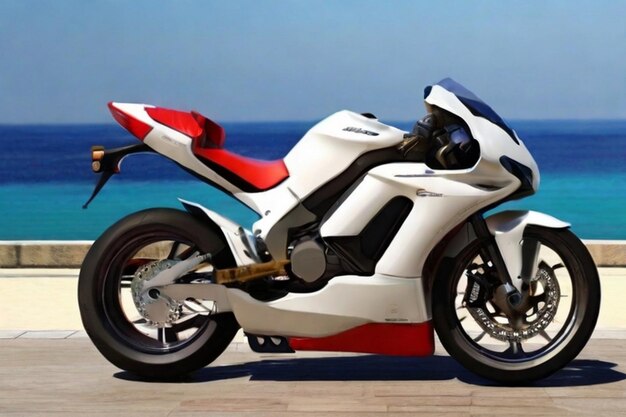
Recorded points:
(249, 175)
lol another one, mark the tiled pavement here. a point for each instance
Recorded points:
(68, 377)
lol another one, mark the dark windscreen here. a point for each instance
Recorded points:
(475, 104)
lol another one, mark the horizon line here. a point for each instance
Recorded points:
(312, 121)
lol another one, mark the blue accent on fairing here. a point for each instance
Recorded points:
(474, 104)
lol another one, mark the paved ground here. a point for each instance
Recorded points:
(49, 367)
(68, 377)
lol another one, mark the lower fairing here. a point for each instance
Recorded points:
(345, 303)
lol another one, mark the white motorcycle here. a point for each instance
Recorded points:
(369, 239)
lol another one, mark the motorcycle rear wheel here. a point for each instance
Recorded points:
(118, 330)
(563, 302)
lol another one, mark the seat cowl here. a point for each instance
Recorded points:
(128, 115)
(198, 127)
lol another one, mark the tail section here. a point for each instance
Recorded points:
(196, 142)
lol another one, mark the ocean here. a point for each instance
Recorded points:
(45, 176)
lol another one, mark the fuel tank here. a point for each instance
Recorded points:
(332, 145)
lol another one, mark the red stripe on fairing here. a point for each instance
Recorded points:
(380, 338)
(138, 128)
(262, 175)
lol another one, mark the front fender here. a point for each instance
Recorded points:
(240, 241)
(508, 227)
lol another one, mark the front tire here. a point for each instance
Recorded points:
(118, 330)
(477, 329)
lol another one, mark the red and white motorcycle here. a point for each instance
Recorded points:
(369, 239)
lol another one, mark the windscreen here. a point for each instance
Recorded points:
(474, 104)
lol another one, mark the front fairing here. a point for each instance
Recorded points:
(499, 143)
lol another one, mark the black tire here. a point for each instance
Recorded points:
(104, 317)
(514, 365)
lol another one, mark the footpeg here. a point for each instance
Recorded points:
(268, 344)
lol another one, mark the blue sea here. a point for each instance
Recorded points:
(45, 176)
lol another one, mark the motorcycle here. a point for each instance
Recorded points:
(369, 240)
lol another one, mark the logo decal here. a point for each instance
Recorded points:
(359, 130)
(423, 193)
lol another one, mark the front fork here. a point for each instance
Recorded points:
(514, 257)
(513, 294)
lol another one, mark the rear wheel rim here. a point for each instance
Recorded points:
(120, 312)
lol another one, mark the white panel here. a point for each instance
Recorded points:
(327, 149)
(344, 303)
(234, 233)
(272, 205)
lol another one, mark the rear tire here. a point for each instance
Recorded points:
(556, 345)
(104, 285)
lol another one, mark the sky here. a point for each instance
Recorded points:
(268, 60)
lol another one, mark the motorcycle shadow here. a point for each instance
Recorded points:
(386, 368)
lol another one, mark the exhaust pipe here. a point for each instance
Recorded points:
(248, 273)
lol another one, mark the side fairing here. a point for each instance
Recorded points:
(346, 302)
(441, 200)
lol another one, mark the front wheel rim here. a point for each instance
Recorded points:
(526, 352)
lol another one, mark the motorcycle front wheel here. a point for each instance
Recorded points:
(136, 247)
(544, 331)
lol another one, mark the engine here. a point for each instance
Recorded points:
(308, 259)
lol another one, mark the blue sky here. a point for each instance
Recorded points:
(62, 61)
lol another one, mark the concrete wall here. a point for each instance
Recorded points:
(43, 254)
(607, 252)
(70, 254)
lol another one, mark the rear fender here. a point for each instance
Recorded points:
(240, 241)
